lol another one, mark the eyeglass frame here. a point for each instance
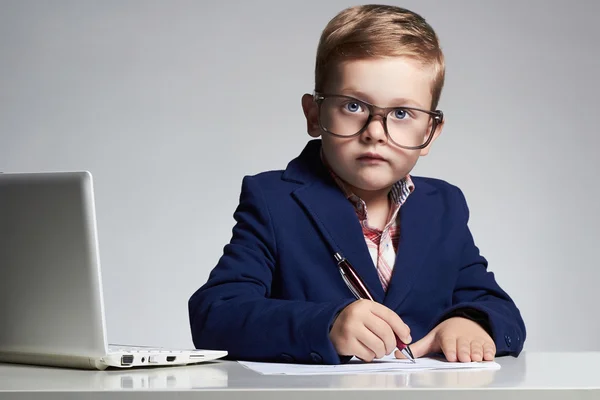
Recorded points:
(438, 118)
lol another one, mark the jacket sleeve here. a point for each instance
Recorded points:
(233, 311)
(477, 291)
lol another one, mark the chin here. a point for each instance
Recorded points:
(376, 182)
(372, 186)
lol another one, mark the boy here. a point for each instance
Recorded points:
(276, 293)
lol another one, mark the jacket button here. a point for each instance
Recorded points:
(508, 340)
(287, 358)
(316, 358)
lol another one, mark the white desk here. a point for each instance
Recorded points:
(531, 376)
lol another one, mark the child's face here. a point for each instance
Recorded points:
(370, 161)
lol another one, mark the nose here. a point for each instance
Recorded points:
(375, 131)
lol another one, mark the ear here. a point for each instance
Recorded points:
(311, 112)
(438, 132)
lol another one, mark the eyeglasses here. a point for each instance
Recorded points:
(407, 127)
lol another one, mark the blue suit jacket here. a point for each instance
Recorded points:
(275, 291)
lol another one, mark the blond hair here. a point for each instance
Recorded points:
(380, 31)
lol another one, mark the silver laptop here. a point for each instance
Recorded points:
(51, 302)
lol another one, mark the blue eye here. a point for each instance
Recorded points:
(353, 106)
(399, 113)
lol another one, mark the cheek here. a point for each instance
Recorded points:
(407, 157)
(336, 148)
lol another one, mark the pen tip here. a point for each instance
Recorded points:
(408, 353)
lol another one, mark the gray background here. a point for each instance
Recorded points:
(170, 103)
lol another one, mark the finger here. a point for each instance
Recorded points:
(384, 332)
(477, 350)
(362, 352)
(371, 341)
(463, 348)
(489, 351)
(393, 320)
(449, 348)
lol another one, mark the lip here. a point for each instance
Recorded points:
(370, 157)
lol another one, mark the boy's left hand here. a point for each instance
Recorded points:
(459, 338)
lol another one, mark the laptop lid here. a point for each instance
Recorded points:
(50, 284)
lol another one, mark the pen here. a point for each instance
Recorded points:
(360, 291)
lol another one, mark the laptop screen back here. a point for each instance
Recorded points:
(50, 284)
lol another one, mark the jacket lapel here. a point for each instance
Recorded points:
(418, 230)
(333, 215)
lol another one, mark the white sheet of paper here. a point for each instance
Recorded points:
(355, 366)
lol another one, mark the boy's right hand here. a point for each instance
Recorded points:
(366, 329)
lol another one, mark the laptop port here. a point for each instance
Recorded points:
(127, 359)
(171, 358)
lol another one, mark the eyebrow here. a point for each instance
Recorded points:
(398, 101)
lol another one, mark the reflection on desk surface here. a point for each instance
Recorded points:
(232, 375)
(23, 377)
(421, 379)
(544, 370)
(204, 376)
